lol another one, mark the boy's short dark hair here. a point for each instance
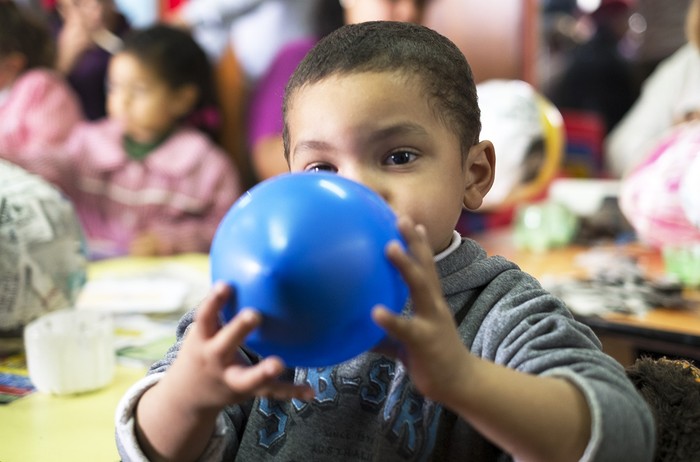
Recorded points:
(405, 48)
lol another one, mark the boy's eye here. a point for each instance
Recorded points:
(320, 168)
(400, 158)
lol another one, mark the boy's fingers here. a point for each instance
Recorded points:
(409, 268)
(224, 339)
(282, 391)
(262, 380)
(233, 333)
(388, 346)
(397, 327)
(421, 278)
(417, 240)
(207, 315)
(419, 256)
(247, 380)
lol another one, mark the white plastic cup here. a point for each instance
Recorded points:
(70, 351)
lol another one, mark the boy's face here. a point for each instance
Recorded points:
(378, 129)
(143, 102)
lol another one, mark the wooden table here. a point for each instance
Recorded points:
(661, 331)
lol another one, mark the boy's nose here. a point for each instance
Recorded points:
(367, 178)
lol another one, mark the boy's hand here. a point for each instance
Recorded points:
(211, 369)
(429, 344)
(209, 373)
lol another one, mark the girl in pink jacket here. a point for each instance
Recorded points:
(142, 180)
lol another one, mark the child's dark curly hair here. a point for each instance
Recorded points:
(672, 389)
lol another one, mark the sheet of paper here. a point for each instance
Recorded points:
(134, 295)
(143, 285)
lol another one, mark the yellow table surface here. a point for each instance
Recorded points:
(78, 428)
(124, 266)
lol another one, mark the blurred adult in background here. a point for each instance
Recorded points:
(88, 33)
(255, 29)
(661, 26)
(597, 78)
(241, 38)
(560, 34)
(265, 122)
(671, 95)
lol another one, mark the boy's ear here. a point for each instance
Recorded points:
(185, 99)
(479, 170)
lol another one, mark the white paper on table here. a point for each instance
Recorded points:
(134, 295)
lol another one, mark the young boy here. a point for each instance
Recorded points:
(393, 106)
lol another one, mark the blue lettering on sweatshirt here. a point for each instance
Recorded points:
(276, 420)
(410, 421)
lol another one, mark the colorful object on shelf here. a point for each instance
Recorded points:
(682, 263)
(308, 251)
(650, 195)
(584, 132)
(543, 226)
(528, 135)
(690, 192)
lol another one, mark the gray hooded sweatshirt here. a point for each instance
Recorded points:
(367, 409)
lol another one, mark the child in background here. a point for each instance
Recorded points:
(142, 181)
(487, 364)
(669, 96)
(38, 109)
(88, 33)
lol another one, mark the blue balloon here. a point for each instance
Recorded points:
(307, 250)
